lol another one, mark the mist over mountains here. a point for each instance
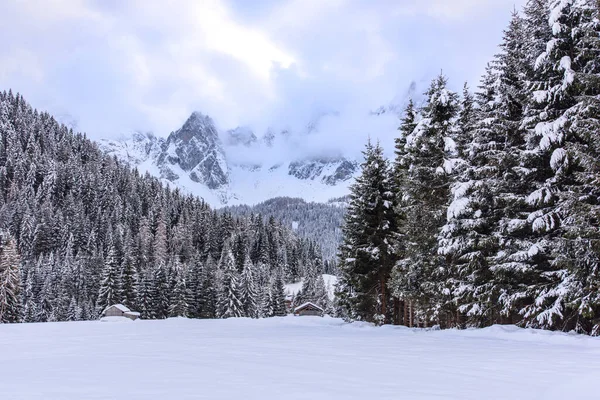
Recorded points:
(315, 161)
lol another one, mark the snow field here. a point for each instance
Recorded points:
(290, 358)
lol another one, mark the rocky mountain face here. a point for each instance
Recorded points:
(195, 159)
(195, 150)
(329, 171)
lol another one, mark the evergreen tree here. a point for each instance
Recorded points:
(193, 288)
(10, 283)
(278, 297)
(248, 292)
(562, 122)
(178, 304)
(266, 302)
(74, 312)
(109, 293)
(129, 282)
(426, 166)
(160, 293)
(144, 297)
(367, 254)
(480, 218)
(229, 304)
(208, 299)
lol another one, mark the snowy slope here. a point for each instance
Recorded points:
(330, 282)
(290, 358)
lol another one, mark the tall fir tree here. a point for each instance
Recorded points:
(248, 292)
(426, 163)
(278, 297)
(109, 292)
(229, 304)
(10, 281)
(367, 254)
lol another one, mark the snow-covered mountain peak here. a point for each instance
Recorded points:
(195, 150)
(241, 169)
(198, 126)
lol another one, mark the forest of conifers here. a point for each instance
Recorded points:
(490, 211)
(80, 232)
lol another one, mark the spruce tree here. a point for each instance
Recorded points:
(562, 123)
(10, 283)
(248, 292)
(178, 305)
(109, 292)
(144, 297)
(278, 297)
(129, 282)
(481, 217)
(367, 254)
(426, 164)
(160, 293)
(229, 304)
(209, 295)
(193, 288)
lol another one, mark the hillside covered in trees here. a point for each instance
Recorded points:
(490, 211)
(320, 222)
(81, 231)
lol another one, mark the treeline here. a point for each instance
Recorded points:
(320, 222)
(80, 231)
(490, 211)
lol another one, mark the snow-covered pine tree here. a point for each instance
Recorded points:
(400, 285)
(209, 294)
(428, 161)
(240, 249)
(367, 254)
(320, 295)
(160, 292)
(562, 123)
(193, 288)
(229, 304)
(178, 305)
(30, 308)
(481, 217)
(109, 292)
(248, 292)
(266, 302)
(74, 312)
(129, 281)
(467, 117)
(278, 297)
(144, 296)
(10, 281)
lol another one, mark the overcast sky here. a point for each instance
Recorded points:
(122, 65)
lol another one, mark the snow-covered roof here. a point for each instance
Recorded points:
(303, 306)
(137, 314)
(121, 307)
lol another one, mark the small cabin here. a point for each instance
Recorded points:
(119, 310)
(309, 309)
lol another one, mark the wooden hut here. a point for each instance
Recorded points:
(119, 310)
(309, 309)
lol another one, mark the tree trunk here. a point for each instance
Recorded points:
(383, 298)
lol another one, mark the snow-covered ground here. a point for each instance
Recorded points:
(290, 358)
(329, 280)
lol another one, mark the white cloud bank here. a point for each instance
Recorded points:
(116, 66)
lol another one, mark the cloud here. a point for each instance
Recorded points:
(116, 66)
